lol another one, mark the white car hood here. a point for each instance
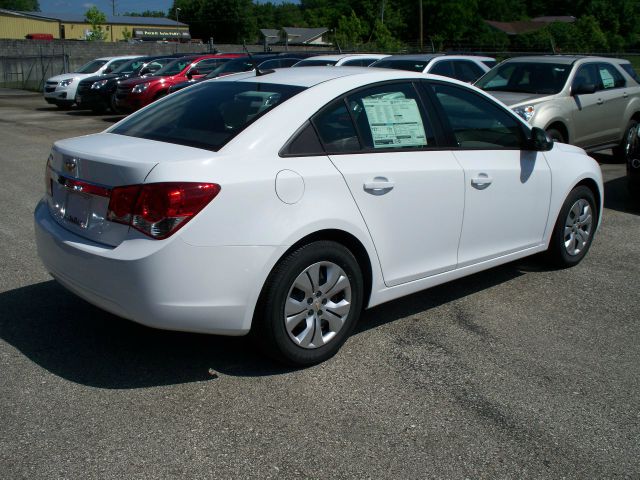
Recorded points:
(66, 76)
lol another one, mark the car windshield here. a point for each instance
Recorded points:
(174, 67)
(129, 66)
(316, 63)
(91, 67)
(400, 64)
(234, 66)
(207, 115)
(526, 77)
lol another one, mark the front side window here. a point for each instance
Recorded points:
(207, 115)
(128, 67)
(476, 122)
(359, 62)
(587, 74)
(91, 67)
(610, 77)
(390, 117)
(207, 65)
(116, 64)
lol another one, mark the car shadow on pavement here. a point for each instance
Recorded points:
(81, 343)
(617, 196)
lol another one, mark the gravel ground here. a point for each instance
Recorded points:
(517, 372)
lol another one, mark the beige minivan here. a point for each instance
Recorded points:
(591, 102)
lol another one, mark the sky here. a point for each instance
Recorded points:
(81, 6)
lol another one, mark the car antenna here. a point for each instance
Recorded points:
(259, 72)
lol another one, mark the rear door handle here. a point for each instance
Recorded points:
(379, 185)
(481, 181)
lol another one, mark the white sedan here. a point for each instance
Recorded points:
(283, 203)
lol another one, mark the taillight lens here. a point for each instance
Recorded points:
(159, 209)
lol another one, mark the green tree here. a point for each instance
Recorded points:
(96, 18)
(126, 34)
(382, 39)
(146, 13)
(21, 5)
(351, 32)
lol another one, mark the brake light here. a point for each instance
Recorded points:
(159, 209)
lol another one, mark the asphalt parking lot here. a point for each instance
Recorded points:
(517, 372)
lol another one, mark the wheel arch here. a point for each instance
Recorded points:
(349, 241)
(561, 127)
(591, 184)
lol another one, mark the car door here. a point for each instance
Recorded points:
(587, 114)
(614, 101)
(507, 189)
(409, 192)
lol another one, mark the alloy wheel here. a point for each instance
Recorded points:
(578, 227)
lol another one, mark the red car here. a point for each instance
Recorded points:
(136, 93)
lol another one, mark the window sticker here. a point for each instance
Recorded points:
(607, 78)
(394, 121)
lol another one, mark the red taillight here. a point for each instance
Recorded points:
(159, 209)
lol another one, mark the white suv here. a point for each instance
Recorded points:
(343, 60)
(61, 89)
(466, 68)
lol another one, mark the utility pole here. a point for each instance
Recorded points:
(382, 13)
(113, 7)
(421, 24)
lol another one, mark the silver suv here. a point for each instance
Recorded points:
(591, 102)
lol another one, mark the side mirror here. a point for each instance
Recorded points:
(540, 141)
(193, 72)
(583, 89)
(108, 70)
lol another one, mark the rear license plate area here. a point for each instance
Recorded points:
(77, 209)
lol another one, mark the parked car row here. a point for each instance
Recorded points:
(591, 102)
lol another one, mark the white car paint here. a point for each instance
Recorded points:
(208, 276)
(340, 60)
(57, 91)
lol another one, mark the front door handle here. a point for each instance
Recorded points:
(600, 101)
(625, 94)
(481, 181)
(379, 186)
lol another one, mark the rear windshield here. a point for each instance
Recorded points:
(316, 63)
(91, 67)
(526, 77)
(410, 65)
(174, 67)
(207, 115)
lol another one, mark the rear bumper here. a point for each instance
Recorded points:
(165, 284)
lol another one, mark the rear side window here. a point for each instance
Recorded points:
(336, 130)
(610, 77)
(632, 73)
(305, 143)
(490, 63)
(410, 65)
(443, 67)
(390, 117)
(207, 115)
(359, 62)
(466, 71)
(476, 122)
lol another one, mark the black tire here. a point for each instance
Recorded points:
(558, 253)
(269, 321)
(628, 146)
(556, 135)
(113, 106)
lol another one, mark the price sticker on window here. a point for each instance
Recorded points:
(395, 122)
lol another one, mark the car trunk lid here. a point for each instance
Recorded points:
(82, 171)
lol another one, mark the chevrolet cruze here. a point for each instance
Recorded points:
(284, 203)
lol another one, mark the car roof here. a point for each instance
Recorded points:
(311, 76)
(340, 57)
(420, 57)
(119, 57)
(561, 59)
